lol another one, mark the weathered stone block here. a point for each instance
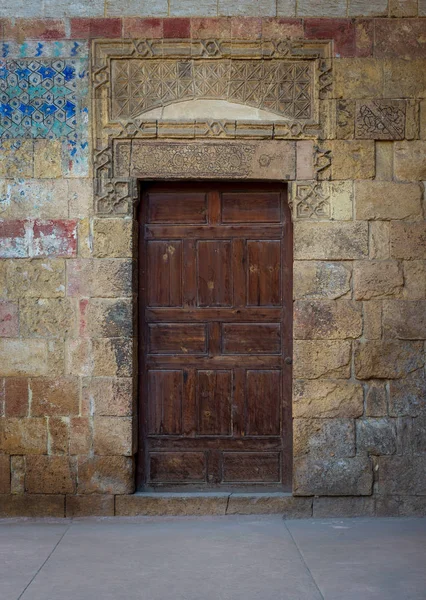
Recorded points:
(81, 435)
(352, 159)
(47, 317)
(105, 475)
(28, 357)
(35, 278)
(342, 200)
(379, 240)
(55, 238)
(409, 160)
(108, 397)
(400, 506)
(404, 320)
(58, 435)
(333, 477)
(107, 318)
(254, 504)
(418, 441)
(313, 359)
(376, 404)
(330, 241)
(402, 475)
(403, 8)
(414, 280)
(387, 359)
(377, 279)
(403, 78)
(265, 8)
(172, 504)
(4, 474)
(39, 505)
(366, 8)
(80, 198)
(376, 436)
(106, 278)
(191, 8)
(325, 8)
(17, 158)
(113, 238)
(327, 319)
(364, 37)
(113, 436)
(407, 396)
(372, 313)
(16, 397)
(95, 505)
(101, 357)
(408, 240)
(402, 40)
(314, 280)
(324, 438)
(276, 28)
(9, 325)
(47, 158)
(381, 119)
(87, 28)
(49, 475)
(23, 436)
(358, 78)
(17, 473)
(54, 397)
(384, 161)
(203, 28)
(387, 201)
(43, 199)
(341, 31)
(344, 507)
(327, 399)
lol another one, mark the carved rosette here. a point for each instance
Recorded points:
(132, 78)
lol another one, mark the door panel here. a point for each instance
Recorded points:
(215, 328)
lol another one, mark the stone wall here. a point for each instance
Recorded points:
(67, 351)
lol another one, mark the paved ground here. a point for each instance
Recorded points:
(213, 558)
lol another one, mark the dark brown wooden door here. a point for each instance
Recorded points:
(215, 336)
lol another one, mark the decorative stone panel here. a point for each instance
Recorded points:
(132, 79)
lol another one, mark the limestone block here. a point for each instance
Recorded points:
(327, 319)
(80, 197)
(324, 438)
(17, 474)
(400, 39)
(100, 357)
(356, 78)
(388, 359)
(376, 404)
(342, 200)
(286, 505)
(47, 317)
(385, 200)
(58, 435)
(45, 199)
(81, 434)
(276, 28)
(113, 238)
(4, 474)
(23, 436)
(96, 505)
(304, 160)
(17, 158)
(54, 397)
(368, 8)
(408, 240)
(314, 280)
(344, 507)
(322, 359)
(377, 279)
(352, 159)
(16, 397)
(106, 278)
(403, 8)
(379, 240)
(330, 241)
(321, 8)
(35, 278)
(246, 8)
(206, 28)
(404, 320)
(419, 435)
(47, 159)
(414, 279)
(409, 162)
(376, 436)
(188, 8)
(79, 8)
(404, 78)
(372, 312)
(172, 504)
(9, 325)
(113, 436)
(380, 119)
(25, 505)
(402, 475)
(327, 399)
(108, 396)
(105, 317)
(29, 357)
(400, 506)
(345, 119)
(286, 8)
(422, 8)
(332, 477)
(384, 160)
(105, 475)
(49, 475)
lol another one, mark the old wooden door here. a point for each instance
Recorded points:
(215, 336)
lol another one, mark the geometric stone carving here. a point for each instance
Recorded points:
(311, 200)
(380, 119)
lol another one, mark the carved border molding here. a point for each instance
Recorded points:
(115, 188)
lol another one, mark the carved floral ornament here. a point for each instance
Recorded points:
(134, 81)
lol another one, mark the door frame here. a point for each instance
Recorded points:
(286, 323)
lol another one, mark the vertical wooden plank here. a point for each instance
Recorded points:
(189, 402)
(239, 402)
(189, 283)
(214, 208)
(239, 261)
(214, 399)
(214, 339)
(214, 273)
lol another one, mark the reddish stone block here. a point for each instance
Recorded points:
(364, 37)
(16, 397)
(13, 239)
(93, 28)
(55, 238)
(403, 39)
(177, 28)
(83, 304)
(282, 28)
(204, 28)
(341, 31)
(9, 326)
(4, 474)
(246, 27)
(34, 29)
(135, 27)
(26, 505)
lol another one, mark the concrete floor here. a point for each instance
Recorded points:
(213, 558)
